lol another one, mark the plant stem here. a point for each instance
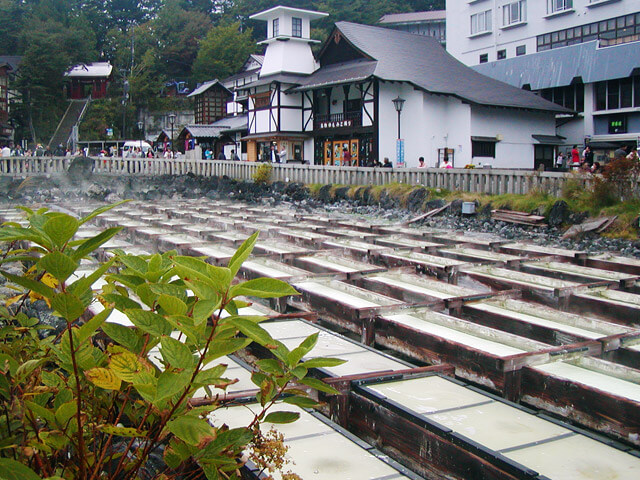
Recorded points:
(81, 446)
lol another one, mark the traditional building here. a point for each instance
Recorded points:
(432, 23)
(247, 74)
(211, 100)
(89, 80)
(8, 68)
(582, 54)
(345, 101)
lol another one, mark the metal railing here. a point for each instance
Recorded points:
(490, 181)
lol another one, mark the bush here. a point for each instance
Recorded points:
(262, 175)
(101, 399)
(622, 177)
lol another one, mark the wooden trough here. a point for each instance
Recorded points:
(329, 262)
(442, 428)
(437, 266)
(486, 356)
(613, 305)
(592, 392)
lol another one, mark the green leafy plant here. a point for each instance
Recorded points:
(103, 397)
(262, 175)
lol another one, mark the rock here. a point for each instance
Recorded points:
(416, 198)
(456, 207)
(558, 214)
(324, 194)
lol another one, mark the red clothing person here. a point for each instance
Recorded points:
(575, 155)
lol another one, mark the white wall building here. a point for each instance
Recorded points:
(316, 109)
(582, 54)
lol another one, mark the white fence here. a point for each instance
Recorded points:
(491, 181)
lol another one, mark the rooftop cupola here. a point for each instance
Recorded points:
(288, 40)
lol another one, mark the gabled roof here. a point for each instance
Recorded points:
(413, 17)
(219, 128)
(560, 66)
(423, 62)
(13, 61)
(90, 70)
(339, 73)
(206, 86)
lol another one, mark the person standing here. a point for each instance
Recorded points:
(587, 155)
(633, 154)
(387, 163)
(575, 156)
(346, 157)
(445, 163)
(234, 156)
(283, 155)
(620, 153)
(421, 163)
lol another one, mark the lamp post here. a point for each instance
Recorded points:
(140, 129)
(398, 103)
(172, 121)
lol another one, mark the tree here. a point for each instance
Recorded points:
(223, 52)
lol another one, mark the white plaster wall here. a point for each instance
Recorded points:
(262, 124)
(573, 131)
(290, 120)
(468, 49)
(515, 127)
(307, 154)
(291, 56)
(428, 122)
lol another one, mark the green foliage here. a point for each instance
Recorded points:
(96, 400)
(262, 175)
(223, 51)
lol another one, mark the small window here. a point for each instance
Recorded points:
(483, 149)
(484, 57)
(502, 54)
(296, 27)
(276, 27)
(521, 50)
(481, 22)
(514, 12)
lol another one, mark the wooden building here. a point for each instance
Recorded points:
(210, 102)
(89, 80)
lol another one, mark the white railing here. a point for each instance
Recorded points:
(492, 181)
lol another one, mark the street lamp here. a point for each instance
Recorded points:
(140, 127)
(398, 102)
(172, 121)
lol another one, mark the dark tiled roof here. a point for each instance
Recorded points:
(423, 62)
(290, 78)
(413, 17)
(559, 66)
(339, 73)
(206, 86)
(12, 60)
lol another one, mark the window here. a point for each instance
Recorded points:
(521, 50)
(502, 54)
(514, 12)
(622, 93)
(484, 57)
(571, 96)
(555, 6)
(296, 27)
(483, 149)
(276, 27)
(481, 22)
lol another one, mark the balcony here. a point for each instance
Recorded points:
(337, 120)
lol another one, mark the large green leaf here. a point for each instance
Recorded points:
(252, 330)
(29, 284)
(203, 309)
(90, 244)
(65, 412)
(135, 263)
(12, 470)
(191, 430)
(61, 228)
(120, 302)
(11, 234)
(171, 383)
(219, 349)
(176, 354)
(169, 289)
(263, 288)
(242, 253)
(321, 362)
(42, 412)
(302, 402)
(123, 431)
(177, 452)
(83, 285)
(125, 336)
(233, 439)
(68, 305)
(126, 365)
(94, 323)
(305, 347)
(282, 417)
(58, 264)
(172, 305)
(101, 210)
(319, 385)
(149, 322)
(210, 376)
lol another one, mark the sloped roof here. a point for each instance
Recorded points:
(232, 124)
(559, 66)
(338, 73)
(204, 131)
(423, 62)
(96, 69)
(12, 60)
(413, 17)
(206, 86)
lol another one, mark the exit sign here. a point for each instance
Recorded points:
(618, 125)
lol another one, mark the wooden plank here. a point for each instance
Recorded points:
(430, 213)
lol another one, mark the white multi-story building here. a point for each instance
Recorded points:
(345, 99)
(582, 54)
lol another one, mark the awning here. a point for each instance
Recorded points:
(484, 139)
(549, 139)
(276, 136)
